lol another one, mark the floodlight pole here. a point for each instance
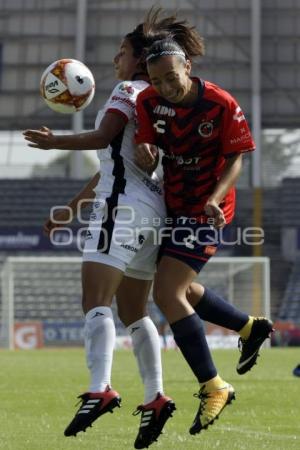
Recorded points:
(256, 179)
(256, 130)
(76, 161)
(256, 88)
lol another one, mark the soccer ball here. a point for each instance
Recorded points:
(67, 86)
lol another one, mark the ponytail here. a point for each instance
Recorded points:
(171, 29)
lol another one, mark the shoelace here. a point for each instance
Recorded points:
(138, 410)
(80, 401)
(202, 396)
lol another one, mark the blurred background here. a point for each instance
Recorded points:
(252, 50)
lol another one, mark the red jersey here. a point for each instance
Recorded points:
(196, 140)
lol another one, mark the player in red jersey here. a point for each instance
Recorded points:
(203, 134)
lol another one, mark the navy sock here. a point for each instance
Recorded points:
(215, 309)
(190, 337)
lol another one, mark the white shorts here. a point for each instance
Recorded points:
(123, 236)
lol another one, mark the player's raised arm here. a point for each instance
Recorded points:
(109, 128)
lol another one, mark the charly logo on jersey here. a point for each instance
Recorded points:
(164, 111)
(238, 115)
(205, 129)
(126, 89)
(141, 239)
(158, 125)
(189, 241)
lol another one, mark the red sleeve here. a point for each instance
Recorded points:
(236, 135)
(144, 128)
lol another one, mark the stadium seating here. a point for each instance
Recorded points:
(27, 202)
(290, 307)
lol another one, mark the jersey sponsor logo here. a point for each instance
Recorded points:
(205, 129)
(164, 111)
(238, 115)
(241, 139)
(129, 247)
(126, 89)
(181, 161)
(158, 126)
(152, 186)
(127, 101)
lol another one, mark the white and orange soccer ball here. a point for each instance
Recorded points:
(67, 86)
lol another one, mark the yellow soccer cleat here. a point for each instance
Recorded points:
(211, 405)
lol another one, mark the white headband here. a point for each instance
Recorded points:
(166, 52)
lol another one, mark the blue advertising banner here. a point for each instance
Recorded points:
(70, 333)
(33, 238)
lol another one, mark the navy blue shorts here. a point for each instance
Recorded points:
(191, 242)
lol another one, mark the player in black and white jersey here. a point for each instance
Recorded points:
(118, 257)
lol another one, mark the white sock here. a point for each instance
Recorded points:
(146, 347)
(99, 336)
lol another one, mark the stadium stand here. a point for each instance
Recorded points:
(27, 202)
(290, 307)
(289, 202)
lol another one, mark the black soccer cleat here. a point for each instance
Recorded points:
(296, 371)
(211, 405)
(93, 405)
(154, 417)
(249, 348)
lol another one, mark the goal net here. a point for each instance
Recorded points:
(41, 298)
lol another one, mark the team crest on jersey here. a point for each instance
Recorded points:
(205, 129)
(126, 89)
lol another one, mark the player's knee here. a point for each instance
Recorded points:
(92, 300)
(194, 293)
(128, 316)
(162, 297)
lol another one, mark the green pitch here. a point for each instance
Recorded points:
(38, 391)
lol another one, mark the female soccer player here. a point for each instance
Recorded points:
(117, 261)
(203, 134)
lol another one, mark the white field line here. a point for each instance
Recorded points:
(262, 433)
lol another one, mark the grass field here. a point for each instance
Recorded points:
(38, 391)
